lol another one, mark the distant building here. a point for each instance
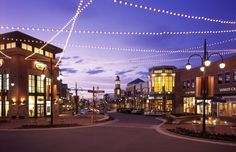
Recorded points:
(117, 90)
(24, 93)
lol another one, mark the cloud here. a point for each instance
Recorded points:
(95, 71)
(68, 70)
(76, 57)
(142, 74)
(79, 61)
(66, 58)
(123, 72)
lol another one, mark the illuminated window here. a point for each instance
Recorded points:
(5, 82)
(48, 84)
(7, 106)
(169, 105)
(158, 82)
(188, 84)
(11, 45)
(227, 77)
(26, 47)
(48, 108)
(158, 71)
(31, 80)
(168, 71)
(39, 51)
(200, 106)
(48, 54)
(189, 104)
(220, 78)
(168, 83)
(0, 108)
(0, 81)
(2, 46)
(40, 84)
(31, 106)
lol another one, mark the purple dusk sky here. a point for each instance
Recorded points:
(98, 67)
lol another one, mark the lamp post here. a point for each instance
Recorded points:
(205, 59)
(51, 88)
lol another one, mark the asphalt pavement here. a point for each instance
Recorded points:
(127, 133)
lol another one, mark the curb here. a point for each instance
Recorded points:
(100, 122)
(161, 131)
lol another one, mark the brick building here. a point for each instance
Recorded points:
(24, 92)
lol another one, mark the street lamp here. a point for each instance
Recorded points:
(205, 63)
(43, 76)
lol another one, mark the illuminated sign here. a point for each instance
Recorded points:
(40, 65)
(230, 89)
(190, 92)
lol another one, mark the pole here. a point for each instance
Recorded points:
(76, 99)
(52, 104)
(93, 105)
(204, 91)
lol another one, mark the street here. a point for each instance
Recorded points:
(127, 133)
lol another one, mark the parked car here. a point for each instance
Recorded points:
(85, 111)
(137, 111)
(150, 112)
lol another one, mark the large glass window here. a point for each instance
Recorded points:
(220, 78)
(168, 83)
(26, 47)
(184, 84)
(200, 107)
(0, 108)
(11, 45)
(31, 82)
(158, 82)
(31, 106)
(169, 105)
(188, 84)
(48, 108)
(189, 104)
(6, 81)
(234, 76)
(227, 77)
(40, 84)
(7, 106)
(40, 106)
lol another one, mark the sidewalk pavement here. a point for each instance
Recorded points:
(80, 120)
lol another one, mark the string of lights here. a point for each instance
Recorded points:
(172, 13)
(118, 32)
(72, 27)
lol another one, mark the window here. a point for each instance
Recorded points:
(193, 83)
(5, 82)
(158, 82)
(234, 76)
(220, 78)
(227, 77)
(31, 106)
(11, 45)
(184, 84)
(168, 71)
(26, 46)
(39, 51)
(48, 84)
(40, 84)
(168, 83)
(31, 84)
(0, 82)
(48, 54)
(169, 105)
(2, 46)
(188, 84)
(158, 71)
(48, 108)
(189, 104)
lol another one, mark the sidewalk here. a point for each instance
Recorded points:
(80, 120)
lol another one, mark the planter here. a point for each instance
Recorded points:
(233, 130)
(196, 127)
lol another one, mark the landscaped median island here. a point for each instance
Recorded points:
(49, 126)
(191, 126)
(206, 135)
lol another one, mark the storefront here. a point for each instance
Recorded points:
(228, 108)
(161, 103)
(189, 104)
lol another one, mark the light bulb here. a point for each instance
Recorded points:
(202, 68)
(188, 66)
(207, 63)
(222, 65)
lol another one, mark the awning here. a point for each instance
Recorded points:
(219, 100)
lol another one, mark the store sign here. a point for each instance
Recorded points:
(231, 89)
(190, 92)
(40, 66)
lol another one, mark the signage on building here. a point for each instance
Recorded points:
(152, 98)
(229, 89)
(190, 92)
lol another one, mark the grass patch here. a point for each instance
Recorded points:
(205, 135)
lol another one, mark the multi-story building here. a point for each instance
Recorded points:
(162, 83)
(24, 92)
(136, 92)
(221, 89)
